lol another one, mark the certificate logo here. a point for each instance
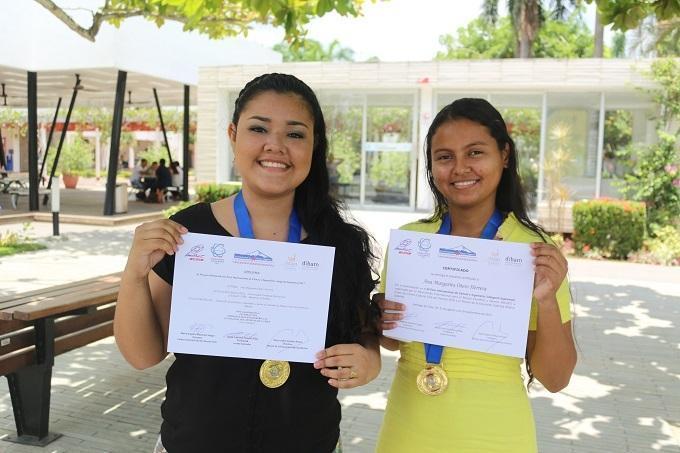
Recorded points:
(459, 252)
(404, 247)
(195, 253)
(495, 258)
(424, 246)
(255, 257)
(292, 262)
(218, 252)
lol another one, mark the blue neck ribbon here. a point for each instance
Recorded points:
(245, 225)
(433, 352)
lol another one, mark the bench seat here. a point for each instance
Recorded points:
(36, 326)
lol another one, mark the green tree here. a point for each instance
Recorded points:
(569, 38)
(657, 38)
(629, 14)
(619, 45)
(527, 17)
(312, 50)
(479, 39)
(654, 175)
(216, 18)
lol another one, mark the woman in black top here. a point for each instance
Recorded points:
(163, 180)
(219, 404)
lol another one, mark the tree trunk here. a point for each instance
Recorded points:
(525, 46)
(598, 51)
(527, 24)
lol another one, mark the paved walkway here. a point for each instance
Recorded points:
(624, 396)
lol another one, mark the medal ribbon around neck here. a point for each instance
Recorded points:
(433, 352)
(245, 225)
(273, 373)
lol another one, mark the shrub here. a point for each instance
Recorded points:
(212, 192)
(76, 157)
(663, 248)
(178, 207)
(614, 228)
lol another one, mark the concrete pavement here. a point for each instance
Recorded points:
(624, 396)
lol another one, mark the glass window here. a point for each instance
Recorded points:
(571, 146)
(344, 120)
(389, 148)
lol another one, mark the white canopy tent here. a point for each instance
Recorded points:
(41, 56)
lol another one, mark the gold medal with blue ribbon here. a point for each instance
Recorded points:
(273, 373)
(432, 380)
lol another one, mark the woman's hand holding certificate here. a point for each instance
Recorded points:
(236, 297)
(460, 292)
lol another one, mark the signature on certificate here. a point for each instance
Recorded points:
(491, 332)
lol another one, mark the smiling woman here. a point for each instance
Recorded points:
(273, 143)
(451, 399)
(278, 136)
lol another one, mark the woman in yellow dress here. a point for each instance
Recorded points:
(472, 171)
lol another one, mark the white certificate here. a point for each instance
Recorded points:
(235, 297)
(461, 292)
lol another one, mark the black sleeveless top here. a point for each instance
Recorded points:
(218, 404)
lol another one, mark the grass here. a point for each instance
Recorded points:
(6, 250)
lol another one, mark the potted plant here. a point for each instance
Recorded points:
(389, 173)
(76, 157)
(391, 132)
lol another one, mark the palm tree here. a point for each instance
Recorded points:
(527, 18)
(598, 49)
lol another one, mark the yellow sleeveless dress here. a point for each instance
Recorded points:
(485, 408)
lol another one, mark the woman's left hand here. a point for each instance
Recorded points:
(347, 365)
(550, 267)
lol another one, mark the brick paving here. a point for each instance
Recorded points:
(624, 396)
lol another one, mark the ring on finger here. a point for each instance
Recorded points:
(352, 374)
(339, 378)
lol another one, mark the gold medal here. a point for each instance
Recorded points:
(274, 373)
(432, 380)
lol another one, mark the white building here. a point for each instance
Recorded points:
(378, 115)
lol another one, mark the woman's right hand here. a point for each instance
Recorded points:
(151, 242)
(388, 319)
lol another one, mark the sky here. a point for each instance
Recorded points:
(392, 30)
(395, 30)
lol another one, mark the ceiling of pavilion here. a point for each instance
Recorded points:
(98, 87)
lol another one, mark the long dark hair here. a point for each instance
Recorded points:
(319, 212)
(510, 195)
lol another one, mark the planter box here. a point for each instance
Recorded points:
(557, 218)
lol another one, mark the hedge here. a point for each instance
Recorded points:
(210, 192)
(614, 228)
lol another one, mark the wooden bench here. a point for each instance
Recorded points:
(36, 326)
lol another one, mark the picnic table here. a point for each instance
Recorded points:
(34, 328)
(7, 184)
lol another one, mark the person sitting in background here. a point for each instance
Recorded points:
(163, 180)
(137, 172)
(177, 174)
(149, 181)
(177, 180)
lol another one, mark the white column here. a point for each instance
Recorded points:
(223, 151)
(364, 129)
(600, 148)
(424, 199)
(42, 142)
(541, 150)
(131, 157)
(97, 154)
